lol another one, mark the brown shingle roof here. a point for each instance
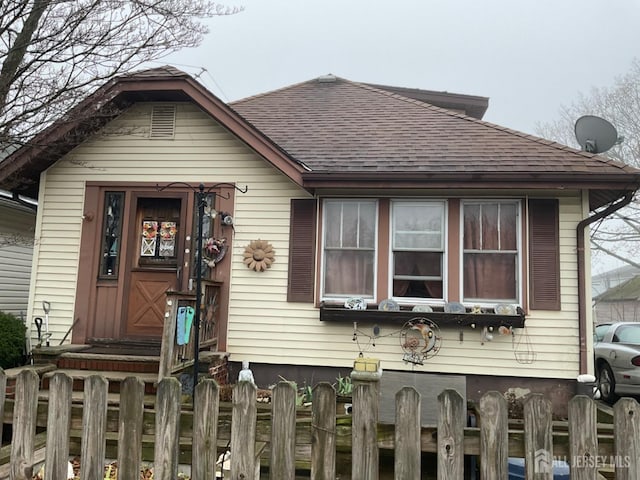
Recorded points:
(344, 126)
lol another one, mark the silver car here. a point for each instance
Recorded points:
(617, 359)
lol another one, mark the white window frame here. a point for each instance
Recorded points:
(443, 249)
(325, 201)
(519, 267)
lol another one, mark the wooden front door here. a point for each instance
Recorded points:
(156, 244)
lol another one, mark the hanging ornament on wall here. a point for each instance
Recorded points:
(214, 251)
(259, 255)
(420, 339)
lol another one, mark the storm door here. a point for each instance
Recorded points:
(156, 240)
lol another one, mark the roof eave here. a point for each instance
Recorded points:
(603, 188)
(183, 87)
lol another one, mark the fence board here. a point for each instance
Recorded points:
(24, 425)
(243, 431)
(205, 430)
(165, 456)
(94, 421)
(451, 421)
(364, 432)
(3, 392)
(130, 424)
(283, 432)
(58, 427)
(583, 438)
(323, 432)
(626, 421)
(538, 439)
(494, 436)
(407, 435)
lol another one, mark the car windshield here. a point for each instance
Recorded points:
(600, 331)
(628, 334)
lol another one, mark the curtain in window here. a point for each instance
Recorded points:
(490, 244)
(349, 272)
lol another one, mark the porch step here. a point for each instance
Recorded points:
(115, 378)
(109, 362)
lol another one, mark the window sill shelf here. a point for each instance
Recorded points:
(338, 314)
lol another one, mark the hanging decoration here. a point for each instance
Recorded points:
(168, 232)
(259, 255)
(214, 250)
(149, 238)
(420, 339)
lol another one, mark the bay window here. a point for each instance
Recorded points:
(417, 244)
(490, 257)
(350, 230)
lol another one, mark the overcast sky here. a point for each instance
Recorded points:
(527, 56)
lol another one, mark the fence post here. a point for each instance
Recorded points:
(94, 420)
(451, 422)
(626, 421)
(3, 393)
(323, 432)
(205, 430)
(24, 425)
(538, 438)
(165, 457)
(364, 431)
(58, 427)
(494, 436)
(283, 432)
(407, 435)
(583, 438)
(130, 428)
(243, 431)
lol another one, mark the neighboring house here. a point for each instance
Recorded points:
(17, 227)
(362, 191)
(604, 281)
(620, 303)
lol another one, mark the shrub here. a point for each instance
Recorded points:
(12, 341)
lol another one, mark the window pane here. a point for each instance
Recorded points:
(508, 226)
(489, 226)
(417, 226)
(422, 264)
(472, 226)
(490, 276)
(350, 224)
(111, 234)
(332, 224)
(367, 225)
(349, 272)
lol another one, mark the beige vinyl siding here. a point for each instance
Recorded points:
(17, 226)
(263, 326)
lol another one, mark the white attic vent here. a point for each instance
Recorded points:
(163, 121)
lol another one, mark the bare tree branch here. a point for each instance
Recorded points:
(53, 52)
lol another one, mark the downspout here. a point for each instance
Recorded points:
(582, 283)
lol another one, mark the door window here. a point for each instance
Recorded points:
(158, 220)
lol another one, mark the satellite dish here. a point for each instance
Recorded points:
(595, 134)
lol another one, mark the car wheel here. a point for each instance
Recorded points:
(607, 383)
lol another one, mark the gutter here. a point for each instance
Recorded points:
(582, 292)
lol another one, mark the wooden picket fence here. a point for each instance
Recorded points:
(583, 442)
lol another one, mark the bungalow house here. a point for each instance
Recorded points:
(354, 219)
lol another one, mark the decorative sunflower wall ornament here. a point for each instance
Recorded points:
(259, 255)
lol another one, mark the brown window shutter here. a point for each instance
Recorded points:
(544, 254)
(302, 245)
